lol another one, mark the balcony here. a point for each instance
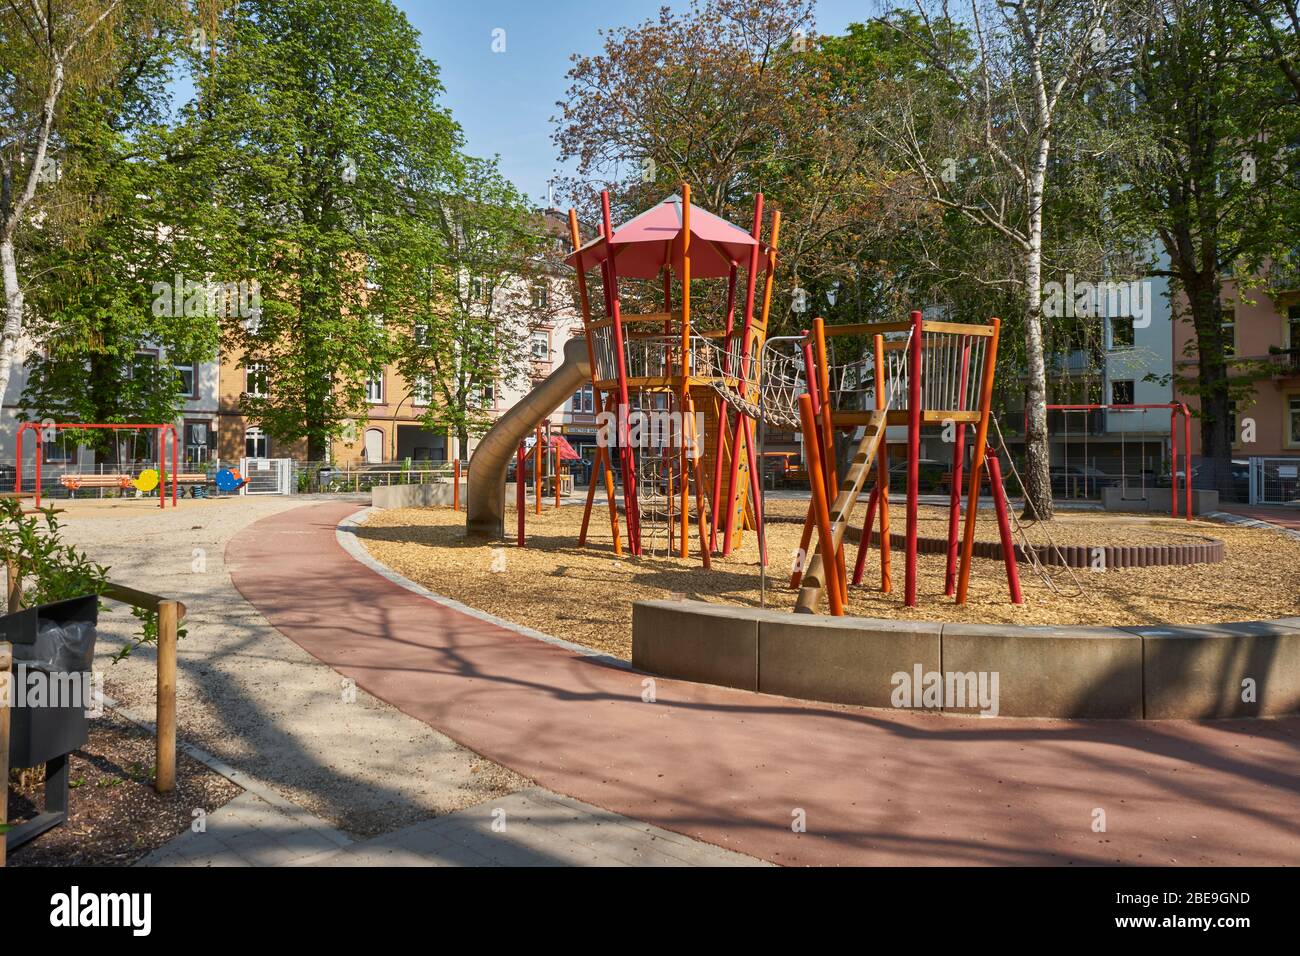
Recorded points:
(1285, 363)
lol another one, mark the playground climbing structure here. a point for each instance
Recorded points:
(681, 391)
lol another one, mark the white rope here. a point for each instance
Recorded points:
(1031, 551)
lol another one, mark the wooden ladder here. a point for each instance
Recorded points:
(841, 511)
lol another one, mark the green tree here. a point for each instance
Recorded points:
(48, 49)
(467, 272)
(312, 116)
(126, 228)
(1215, 181)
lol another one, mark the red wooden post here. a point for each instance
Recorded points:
(519, 492)
(864, 543)
(626, 460)
(913, 456)
(1173, 459)
(1187, 468)
(810, 381)
(1004, 528)
(723, 415)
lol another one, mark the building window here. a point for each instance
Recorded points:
(1293, 420)
(1228, 322)
(422, 390)
(486, 396)
(583, 400)
(256, 443)
(375, 389)
(541, 295)
(476, 290)
(143, 365)
(185, 379)
(1122, 334)
(1293, 328)
(1121, 393)
(541, 347)
(421, 334)
(198, 437)
(255, 379)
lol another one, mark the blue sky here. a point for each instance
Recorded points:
(505, 101)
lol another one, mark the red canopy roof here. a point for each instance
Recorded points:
(556, 441)
(644, 243)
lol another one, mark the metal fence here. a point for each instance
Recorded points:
(1274, 481)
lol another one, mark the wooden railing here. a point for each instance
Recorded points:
(170, 614)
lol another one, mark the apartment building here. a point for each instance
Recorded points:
(1264, 334)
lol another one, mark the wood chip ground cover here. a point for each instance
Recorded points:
(585, 594)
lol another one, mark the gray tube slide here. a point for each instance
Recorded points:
(486, 488)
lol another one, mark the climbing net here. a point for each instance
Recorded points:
(767, 387)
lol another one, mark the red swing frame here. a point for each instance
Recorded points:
(39, 427)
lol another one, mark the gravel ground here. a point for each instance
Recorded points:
(254, 698)
(586, 595)
(114, 815)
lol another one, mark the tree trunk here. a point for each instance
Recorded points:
(1038, 473)
(1212, 386)
(13, 322)
(317, 446)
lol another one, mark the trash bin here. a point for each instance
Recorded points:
(53, 640)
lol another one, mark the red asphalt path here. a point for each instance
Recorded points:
(732, 768)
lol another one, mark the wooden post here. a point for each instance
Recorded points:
(166, 714)
(455, 487)
(826, 540)
(914, 362)
(14, 585)
(6, 694)
(521, 486)
(537, 470)
(684, 546)
(833, 563)
(977, 464)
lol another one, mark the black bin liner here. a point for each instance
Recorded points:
(54, 639)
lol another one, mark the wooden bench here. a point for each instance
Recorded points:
(190, 478)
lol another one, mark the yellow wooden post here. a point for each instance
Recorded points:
(166, 714)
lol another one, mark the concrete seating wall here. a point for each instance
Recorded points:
(1250, 669)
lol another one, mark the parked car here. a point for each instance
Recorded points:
(933, 477)
(1078, 481)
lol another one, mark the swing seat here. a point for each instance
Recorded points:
(78, 482)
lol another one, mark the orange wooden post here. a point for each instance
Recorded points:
(697, 456)
(977, 463)
(826, 541)
(835, 562)
(882, 468)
